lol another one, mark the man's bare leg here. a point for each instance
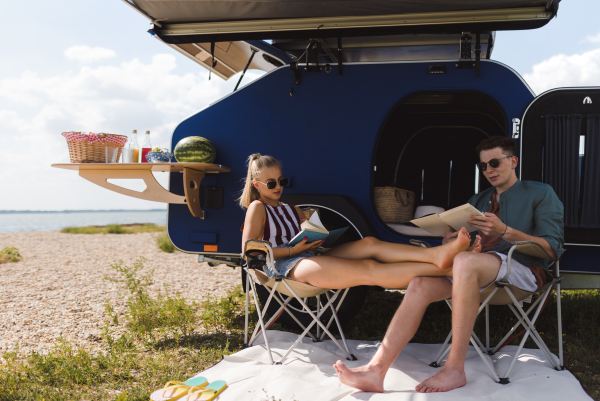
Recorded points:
(420, 293)
(471, 271)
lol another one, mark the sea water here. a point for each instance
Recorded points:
(50, 221)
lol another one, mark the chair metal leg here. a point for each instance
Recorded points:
(441, 354)
(487, 328)
(485, 360)
(247, 309)
(516, 326)
(530, 330)
(315, 320)
(284, 306)
(318, 310)
(268, 324)
(264, 311)
(560, 333)
(339, 326)
(337, 308)
(260, 320)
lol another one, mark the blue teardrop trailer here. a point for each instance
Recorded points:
(368, 95)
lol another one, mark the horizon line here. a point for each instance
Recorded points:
(81, 211)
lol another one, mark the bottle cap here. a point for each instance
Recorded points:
(147, 132)
(135, 131)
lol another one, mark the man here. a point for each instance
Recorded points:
(515, 211)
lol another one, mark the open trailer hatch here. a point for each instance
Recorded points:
(178, 20)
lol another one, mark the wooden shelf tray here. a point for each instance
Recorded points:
(193, 173)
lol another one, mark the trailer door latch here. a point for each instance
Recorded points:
(516, 131)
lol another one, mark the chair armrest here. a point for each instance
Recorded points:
(257, 251)
(531, 248)
(528, 248)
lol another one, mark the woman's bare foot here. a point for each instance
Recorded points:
(445, 380)
(366, 378)
(476, 247)
(444, 258)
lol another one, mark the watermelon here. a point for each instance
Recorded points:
(195, 149)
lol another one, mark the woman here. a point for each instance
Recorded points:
(368, 261)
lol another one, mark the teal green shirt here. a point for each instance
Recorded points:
(531, 207)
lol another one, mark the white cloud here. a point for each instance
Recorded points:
(35, 109)
(86, 54)
(565, 71)
(594, 38)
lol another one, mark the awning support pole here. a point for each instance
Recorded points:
(214, 63)
(254, 51)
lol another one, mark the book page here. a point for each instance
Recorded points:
(432, 224)
(314, 218)
(310, 226)
(457, 218)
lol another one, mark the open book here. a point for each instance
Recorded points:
(313, 230)
(456, 218)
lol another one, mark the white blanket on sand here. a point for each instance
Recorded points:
(308, 374)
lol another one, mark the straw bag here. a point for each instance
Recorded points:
(394, 205)
(89, 148)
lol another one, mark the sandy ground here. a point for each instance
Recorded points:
(59, 287)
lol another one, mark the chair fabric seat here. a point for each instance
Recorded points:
(304, 290)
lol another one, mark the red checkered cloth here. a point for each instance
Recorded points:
(93, 138)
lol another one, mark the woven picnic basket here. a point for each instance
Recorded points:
(394, 205)
(89, 148)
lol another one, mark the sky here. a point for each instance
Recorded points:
(91, 66)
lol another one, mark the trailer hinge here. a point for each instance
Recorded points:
(466, 60)
(516, 131)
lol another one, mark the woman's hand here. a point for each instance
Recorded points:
(303, 246)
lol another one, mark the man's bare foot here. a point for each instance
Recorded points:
(445, 380)
(366, 378)
(476, 247)
(444, 258)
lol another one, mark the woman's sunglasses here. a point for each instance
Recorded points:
(493, 163)
(283, 181)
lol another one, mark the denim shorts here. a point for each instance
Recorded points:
(284, 265)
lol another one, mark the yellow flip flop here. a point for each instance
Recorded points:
(206, 393)
(174, 390)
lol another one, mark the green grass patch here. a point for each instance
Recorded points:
(10, 254)
(164, 243)
(115, 229)
(162, 342)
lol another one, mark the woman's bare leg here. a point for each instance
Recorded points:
(387, 252)
(335, 273)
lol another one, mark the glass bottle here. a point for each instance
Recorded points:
(135, 146)
(146, 147)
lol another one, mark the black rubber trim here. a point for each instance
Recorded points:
(340, 203)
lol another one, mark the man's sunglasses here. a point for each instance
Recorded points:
(493, 163)
(283, 181)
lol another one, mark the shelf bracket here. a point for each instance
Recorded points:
(191, 180)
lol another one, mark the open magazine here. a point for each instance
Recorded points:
(313, 230)
(457, 218)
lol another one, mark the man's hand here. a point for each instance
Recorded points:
(450, 236)
(488, 224)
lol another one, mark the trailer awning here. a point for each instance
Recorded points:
(179, 20)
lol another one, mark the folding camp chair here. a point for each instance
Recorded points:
(258, 254)
(504, 293)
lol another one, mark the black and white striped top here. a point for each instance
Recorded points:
(282, 224)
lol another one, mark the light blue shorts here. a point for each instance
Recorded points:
(284, 265)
